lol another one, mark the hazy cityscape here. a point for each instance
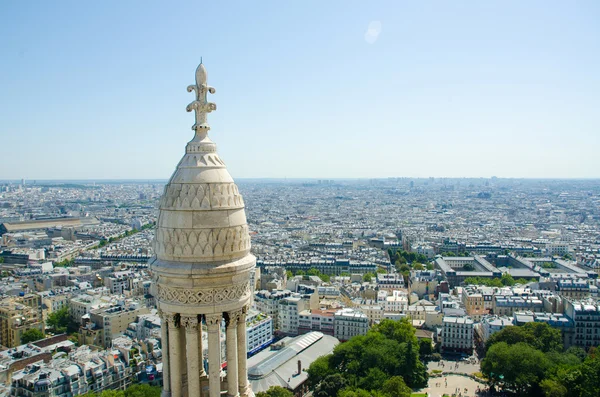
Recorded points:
(323, 253)
(300, 199)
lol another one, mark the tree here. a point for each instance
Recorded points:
(418, 266)
(507, 280)
(368, 277)
(467, 267)
(519, 367)
(330, 386)
(552, 388)
(374, 380)
(389, 349)
(537, 335)
(31, 335)
(274, 391)
(112, 393)
(425, 347)
(1, 259)
(289, 274)
(59, 320)
(318, 370)
(395, 387)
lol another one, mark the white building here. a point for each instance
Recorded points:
(491, 324)
(289, 310)
(396, 303)
(349, 323)
(457, 334)
(259, 331)
(268, 302)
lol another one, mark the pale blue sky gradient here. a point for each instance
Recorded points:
(447, 88)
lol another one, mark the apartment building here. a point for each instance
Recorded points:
(16, 317)
(259, 331)
(317, 320)
(349, 323)
(457, 334)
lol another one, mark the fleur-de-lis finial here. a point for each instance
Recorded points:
(201, 105)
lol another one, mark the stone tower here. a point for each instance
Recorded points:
(202, 268)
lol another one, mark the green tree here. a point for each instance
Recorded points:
(404, 268)
(319, 370)
(389, 349)
(552, 388)
(519, 367)
(324, 277)
(59, 320)
(537, 335)
(425, 347)
(289, 274)
(395, 387)
(330, 386)
(351, 392)
(367, 277)
(590, 371)
(467, 267)
(112, 393)
(418, 266)
(31, 335)
(1, 259)
(275, 391)
(507, 280)
(374, 379)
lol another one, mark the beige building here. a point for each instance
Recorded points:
(17, 317)
(108, 323)
(473, 300)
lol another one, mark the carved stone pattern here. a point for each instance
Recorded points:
(201, 148)
(213, 320)
(204, 296)
(190, 323)
(201, 196)
(233, 317)
(202, 160)
(201, 242)
(172, 319)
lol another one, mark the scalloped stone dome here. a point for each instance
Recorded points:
(202, 216)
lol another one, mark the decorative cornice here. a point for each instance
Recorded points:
(186, 296)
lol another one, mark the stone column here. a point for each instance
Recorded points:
(174, 354)
(242, 352)
(213, 323)
(232, 353)
(164, 336)
(191, 346)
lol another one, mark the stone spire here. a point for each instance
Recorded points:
(201, 105)
(202, 266)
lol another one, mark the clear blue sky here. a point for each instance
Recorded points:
(304, 88)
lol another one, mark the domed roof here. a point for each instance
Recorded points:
(202, 216)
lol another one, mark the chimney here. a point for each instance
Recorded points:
(299, 367)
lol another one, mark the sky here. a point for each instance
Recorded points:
(304, 89)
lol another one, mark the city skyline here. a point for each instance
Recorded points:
(322, 92)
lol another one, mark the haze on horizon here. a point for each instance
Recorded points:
(340, 89)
